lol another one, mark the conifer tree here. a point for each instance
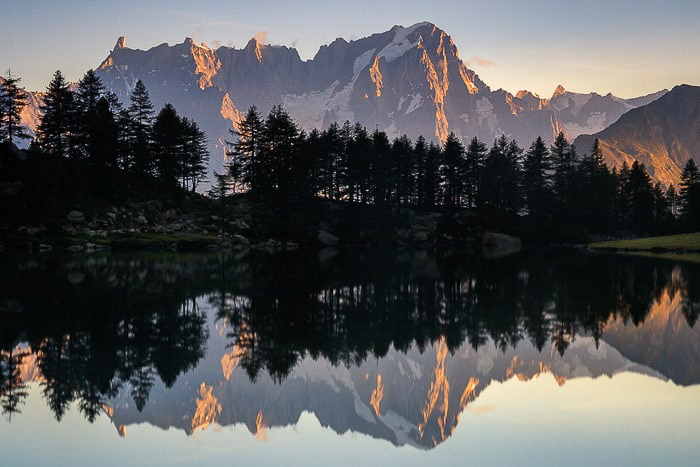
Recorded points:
(140, 120)
(452, 171)
(12, 101)
(195, 156)
(168, 145)
(54, 130)
(474, 166)
(562, 164)
(246, 151)
(690, 195)
(87, 94)
(536, 180)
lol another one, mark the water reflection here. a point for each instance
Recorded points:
(392, 344)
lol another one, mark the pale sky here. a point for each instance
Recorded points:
(626, 47)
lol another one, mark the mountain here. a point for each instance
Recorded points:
(406, 80)
(662, 134)
(591, 113)
(411, 398)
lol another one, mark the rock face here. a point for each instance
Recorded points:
(591, 113)
(408, 80)
(663, 135)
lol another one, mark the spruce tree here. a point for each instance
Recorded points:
(247, 164)
(87, 94)
(54, 130)
(474, 166)
(195, 156)
(690, 195)
(452, 171)
(562, 164)
(536, 180)
(140, 120)
(168, 147)
(12, 101)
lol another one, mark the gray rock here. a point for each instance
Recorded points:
(142, 220)
(420, 236)
(497, 245)
(170, 214)
(76, 277)
(75, 248)
(11, 188)
(240, 240)
(111, 215)
(326, 238)
(44, 247)
(76, 217)
(240, 224)
(154, 205)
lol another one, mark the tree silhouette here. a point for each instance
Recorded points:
(12, 101)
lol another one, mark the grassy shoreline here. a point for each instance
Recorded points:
(667, 243)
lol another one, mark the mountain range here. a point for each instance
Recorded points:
(408, 80)
(663, 135)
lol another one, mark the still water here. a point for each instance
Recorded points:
(349, 358)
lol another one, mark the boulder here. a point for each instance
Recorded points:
(326, 238)
(154, 205)
(76, 217)
(11, 188)
(497, 245)
(142, 220)
(170, 214)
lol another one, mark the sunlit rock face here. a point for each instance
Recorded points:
(663, 135)
(403, 81)
(408, 80)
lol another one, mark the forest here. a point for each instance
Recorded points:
(111, 148)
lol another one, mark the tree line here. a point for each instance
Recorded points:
(274, 159)
(86, 123)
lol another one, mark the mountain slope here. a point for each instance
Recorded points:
(408, 80)
(663, 135)
(591, 113)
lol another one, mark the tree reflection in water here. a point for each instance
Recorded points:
(96, 325)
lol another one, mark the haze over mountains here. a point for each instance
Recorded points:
(408, 80)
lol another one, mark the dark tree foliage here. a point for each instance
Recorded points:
(690, 196)
(54, 133)
(273, 159)
(111, 144)
(141, 162)
(12, 101)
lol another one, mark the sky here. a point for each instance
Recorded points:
(629, 48)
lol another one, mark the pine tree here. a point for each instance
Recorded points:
(54, 130)
(474, 166)
(536, 180)
(690, 195)
(87, 94)
(431, 183)
(562, 164)
(672, 199)
(247, 164)
(102, 142)
(195, 156)
(140, 120)
(452, 171)
(168, 150)
(12, 101)
(282, 141)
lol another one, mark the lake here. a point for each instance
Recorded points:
(350, 357)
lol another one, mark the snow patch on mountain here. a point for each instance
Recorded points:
(400, 44)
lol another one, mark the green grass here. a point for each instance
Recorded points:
(683, 242)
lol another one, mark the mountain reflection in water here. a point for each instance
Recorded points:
(391, 344)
